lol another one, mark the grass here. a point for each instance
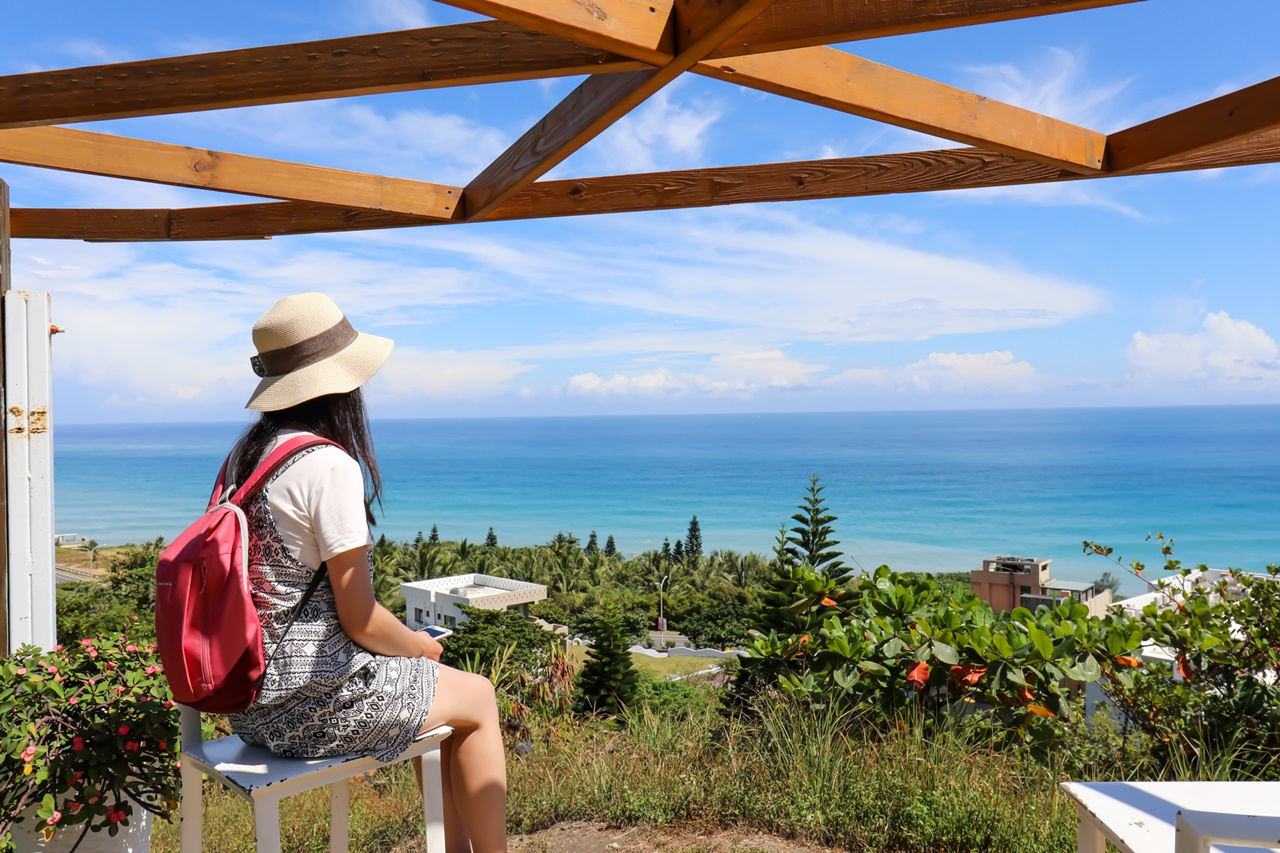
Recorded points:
(659, 667)
(818, 777)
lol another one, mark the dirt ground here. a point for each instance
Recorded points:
(599, 838)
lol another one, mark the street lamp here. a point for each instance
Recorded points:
(91, 550)
(662, 623)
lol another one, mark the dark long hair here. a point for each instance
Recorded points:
(338, 417)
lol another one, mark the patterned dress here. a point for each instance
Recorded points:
(322, 695)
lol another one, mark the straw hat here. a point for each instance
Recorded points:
(306, 349)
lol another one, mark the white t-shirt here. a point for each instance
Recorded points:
(318, 503)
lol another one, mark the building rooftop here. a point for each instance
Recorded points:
(1069, 586)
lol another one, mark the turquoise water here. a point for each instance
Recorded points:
(921, 490)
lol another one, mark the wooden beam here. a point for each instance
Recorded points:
(1237, 115)
(840, 81)
(640, 29)
(129, 224)
(921, 171)
(463, 54)
(628, 27)
(600, 101)
(804, 23)
(178, 165)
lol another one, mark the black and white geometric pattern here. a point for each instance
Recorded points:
(323, 695)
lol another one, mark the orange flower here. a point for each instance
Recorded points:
(1184, 669)
(917, 675)
(968, 674)
(828, 602)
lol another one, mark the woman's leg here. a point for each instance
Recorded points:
(456, 839)
(477, 762)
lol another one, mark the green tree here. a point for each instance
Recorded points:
(131, 574)
(693, 539)
(666, 549)
(491, 539)
(608, 680)
(610, 547)
(593, 544)
(809, 543)
(485, 636)
(677, 551)
(417, 540)
(434, 536)
(1108, 581)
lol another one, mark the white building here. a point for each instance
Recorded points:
(440, 601)
(1209, 582)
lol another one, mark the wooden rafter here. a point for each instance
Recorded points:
(603, 99)
(921, 171)
(840, 81)
(835, 79)
(636, 28)
(1236, 115)
(178, 165)
(462, 54)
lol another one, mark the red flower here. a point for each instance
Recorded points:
(77, 743)
(968, 674)
(123, 730)
(131, 746)
(917, 675)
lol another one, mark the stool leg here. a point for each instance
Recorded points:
(339, 809)
(266, 825)
(433, 800)
(191, 809)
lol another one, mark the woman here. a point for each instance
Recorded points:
(349, 676)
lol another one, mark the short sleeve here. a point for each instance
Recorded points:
(336, 503)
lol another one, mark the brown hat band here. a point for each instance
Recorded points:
(331, 341)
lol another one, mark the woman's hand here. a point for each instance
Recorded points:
(432, 645)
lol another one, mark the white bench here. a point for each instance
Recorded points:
(263, 779)
(1177, 817)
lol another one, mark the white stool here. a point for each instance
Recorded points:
(264, 779)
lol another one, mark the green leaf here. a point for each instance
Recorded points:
(945, 653)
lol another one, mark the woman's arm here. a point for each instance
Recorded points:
(371, 625)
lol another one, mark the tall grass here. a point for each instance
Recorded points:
(822, 776)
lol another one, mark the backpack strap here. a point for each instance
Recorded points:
(265, 469)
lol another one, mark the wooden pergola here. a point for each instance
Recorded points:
(629, 50)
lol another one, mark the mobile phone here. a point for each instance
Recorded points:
(437, 632)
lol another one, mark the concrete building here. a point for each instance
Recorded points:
(1215, 584)
(440, 601)
(1009, 582)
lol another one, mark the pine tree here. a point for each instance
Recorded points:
(610, 547)
(693, 540)
(677, 551)
(593, 544)
(417, 540)
(666, 549)
(434, 538)
(491, 539)
(810, 542)
(608, 680)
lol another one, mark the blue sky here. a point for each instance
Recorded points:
(1132, 291)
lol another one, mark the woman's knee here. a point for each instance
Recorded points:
(465, 698)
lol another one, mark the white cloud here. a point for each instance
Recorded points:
(445, 374)
(1226, 354)
(950, 373)
(661, 133)
(394, 14)
(1053, 86)
(734, 374)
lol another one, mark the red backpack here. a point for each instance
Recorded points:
(207, 627)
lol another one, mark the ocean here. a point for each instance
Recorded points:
(926, 491)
